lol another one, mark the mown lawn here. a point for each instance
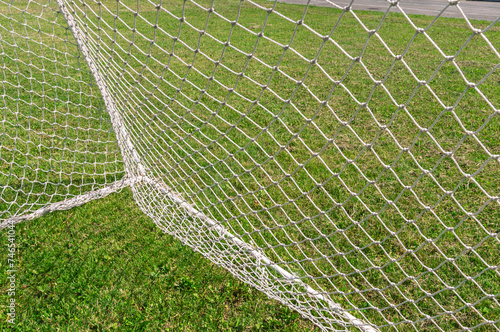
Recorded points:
(367, 167)
(106, 266)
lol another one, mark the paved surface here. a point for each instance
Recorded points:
(479, 10)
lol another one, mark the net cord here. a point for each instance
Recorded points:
(132, 161)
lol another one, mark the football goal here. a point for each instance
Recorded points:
(344, 162)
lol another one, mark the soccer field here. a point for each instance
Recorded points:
(106, 267)
(365, 163)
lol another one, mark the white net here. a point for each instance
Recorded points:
(344, 162)
(56, 140)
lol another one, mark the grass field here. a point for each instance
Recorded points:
(343, 180)
(106, 267)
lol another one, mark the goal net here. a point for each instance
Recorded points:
(344, 162)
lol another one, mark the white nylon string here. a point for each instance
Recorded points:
(56, 141)
(343, 162)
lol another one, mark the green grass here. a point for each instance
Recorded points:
(106, 267)
(184, 128)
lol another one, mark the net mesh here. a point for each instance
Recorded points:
(56, 140)
(344, 162)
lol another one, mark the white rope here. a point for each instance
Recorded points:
(68, 204)
(56, 141)
(343, 164)
(128, 151)
(194, 213)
